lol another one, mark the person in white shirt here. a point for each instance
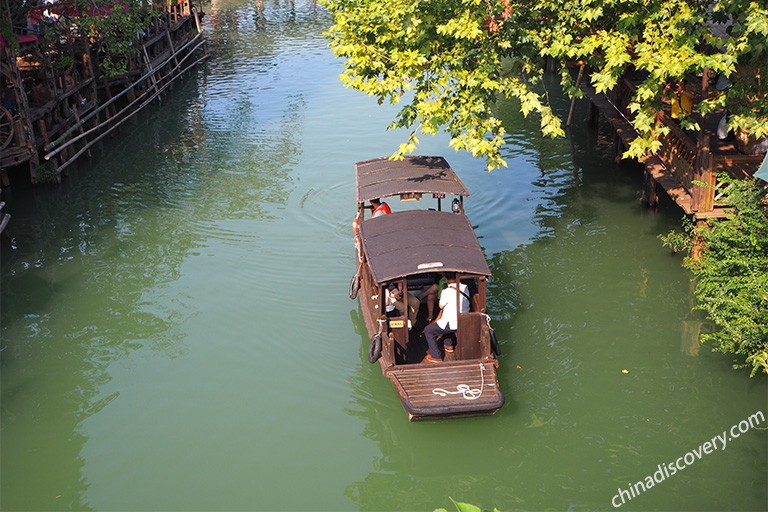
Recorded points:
(447, 320)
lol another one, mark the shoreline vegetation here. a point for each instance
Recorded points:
(730, 274)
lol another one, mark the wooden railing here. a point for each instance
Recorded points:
(678, 153)
(689, 161)
(696, 168)
(178, 9)
(735, 166)
(627, 91)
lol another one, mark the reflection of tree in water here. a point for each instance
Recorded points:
(92, 280)
(262, 27)
(276, 10)
(73, 302)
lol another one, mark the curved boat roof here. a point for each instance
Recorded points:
(421, 241)
(382, 177)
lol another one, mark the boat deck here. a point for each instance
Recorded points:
(460, 388)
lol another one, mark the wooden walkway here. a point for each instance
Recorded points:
(654, 165)
(69, 109)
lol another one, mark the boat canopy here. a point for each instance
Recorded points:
(421, 241)
(382, 177)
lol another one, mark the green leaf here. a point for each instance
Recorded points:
(466, 507)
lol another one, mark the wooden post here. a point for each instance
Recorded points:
(573, 100)
(702, 197)
(650, 196)
(110, 110)
(173, 53)
(698, 243)
(54, 163)
(80, 124)
(617, 148)
(592, 115)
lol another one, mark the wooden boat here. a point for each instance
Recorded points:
(412, 249)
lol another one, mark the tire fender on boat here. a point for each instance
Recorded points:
(374, 351)
(354, 286)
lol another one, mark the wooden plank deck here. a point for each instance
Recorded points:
(459, 388)
(655, 166)
(653, 163)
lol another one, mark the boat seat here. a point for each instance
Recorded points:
(419, 283)
(469, 336)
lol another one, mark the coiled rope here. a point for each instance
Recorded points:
(464, 389)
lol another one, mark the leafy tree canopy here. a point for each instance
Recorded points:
(449, 61)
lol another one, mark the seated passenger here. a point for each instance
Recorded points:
(447, 320)
(432, 293)
(394, 300)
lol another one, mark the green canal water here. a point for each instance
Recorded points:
(177, 335)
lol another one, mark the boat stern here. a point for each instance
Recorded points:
(449, 389)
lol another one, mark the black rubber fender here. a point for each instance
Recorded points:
(374, 351)
(495, 343)
(354, 286)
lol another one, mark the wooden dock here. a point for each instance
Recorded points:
(60, 105)
(682, 164)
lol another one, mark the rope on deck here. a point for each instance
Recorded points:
(464, 389)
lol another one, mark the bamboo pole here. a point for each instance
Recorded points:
(118, 123)
(4, 222)
(573, 100)
(197, 21)
(148, 63)
(139, 98)
(119, 95)
(173, 50)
